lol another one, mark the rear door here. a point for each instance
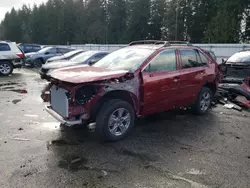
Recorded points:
(193, 75)
(160, 82)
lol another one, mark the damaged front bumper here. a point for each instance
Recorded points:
(59, 118)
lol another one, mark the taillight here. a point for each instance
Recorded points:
(21, 55)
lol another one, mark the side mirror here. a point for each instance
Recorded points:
(224, 60)
(46, 53)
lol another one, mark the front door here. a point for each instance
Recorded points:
(160, 83)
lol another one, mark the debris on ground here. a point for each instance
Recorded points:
(234, 95)
(20, 129)
(20, 139)
(103, 174)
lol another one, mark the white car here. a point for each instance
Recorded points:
(10, 57)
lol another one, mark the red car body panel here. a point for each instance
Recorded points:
(84, 74)
(149, 92)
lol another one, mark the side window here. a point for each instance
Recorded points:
(99, 56)
(28, 47)
(192, 58)
(165, 61)
(4, 47)
(52, 51)
(62, 50)
(203, 58)
(37, 48)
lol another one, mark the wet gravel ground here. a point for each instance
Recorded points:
(175, 149)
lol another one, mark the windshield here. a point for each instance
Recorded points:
(44, 49)
(240, 57)
(125, 59)
(83, 56)
(71, 53)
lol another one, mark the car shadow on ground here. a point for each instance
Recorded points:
(170, 131)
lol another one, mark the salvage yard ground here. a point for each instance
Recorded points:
(174, 149)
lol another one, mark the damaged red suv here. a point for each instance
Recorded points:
(143, 78)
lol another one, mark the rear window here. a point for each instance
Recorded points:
(4, 47)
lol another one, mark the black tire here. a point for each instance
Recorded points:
(200, 107)
(108, 109)
(6, 68)
(38, 63)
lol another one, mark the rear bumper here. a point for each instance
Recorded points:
(17, 63)
(60, 118)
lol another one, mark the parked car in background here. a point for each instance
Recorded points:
(10, 57)
(37, 59)
(66, 56)
(27, 48)
(144, 78)
(237, 67)
(84, 58)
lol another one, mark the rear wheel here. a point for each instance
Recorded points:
(204, 101)
(38, 63)
(115, 120)
(6, 68)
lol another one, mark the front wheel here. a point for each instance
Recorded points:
(38, 63)
(115, 120)
(204, 101)
(6, 68)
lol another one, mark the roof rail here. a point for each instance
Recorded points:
(155, 42)
(180, 43)
(160, 42)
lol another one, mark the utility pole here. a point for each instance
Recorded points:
(176, 19)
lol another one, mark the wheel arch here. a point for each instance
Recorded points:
(116, 94)
(212, 86)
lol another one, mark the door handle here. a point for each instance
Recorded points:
(176, 78)
(203, 72)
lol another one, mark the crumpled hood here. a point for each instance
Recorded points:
(59, 64)
(84, 74)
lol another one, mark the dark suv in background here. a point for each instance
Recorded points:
(27, 48)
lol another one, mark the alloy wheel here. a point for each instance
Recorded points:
(5, 68)
(119, 121)
(205, 101)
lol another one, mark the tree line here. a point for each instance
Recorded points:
(122, 21)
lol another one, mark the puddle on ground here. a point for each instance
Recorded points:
(16, 101)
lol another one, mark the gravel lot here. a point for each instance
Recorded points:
(175, 149)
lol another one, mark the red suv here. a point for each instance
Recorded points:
(143, 78)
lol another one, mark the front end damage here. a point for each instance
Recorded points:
(74, 104)
(235, 87)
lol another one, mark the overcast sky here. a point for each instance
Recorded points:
(6, 5)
